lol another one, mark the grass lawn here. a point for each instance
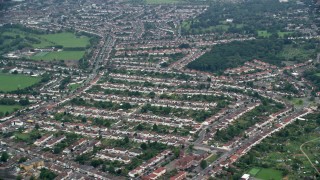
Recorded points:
(74, 86)
(11, 82)
(212, 158)
(282, 34)
(297, 101)
(268, 174)
(254, 171)
(62, 55)
(290, 52)
(10, 109)
(64, 39)
(264, 34)
(22, 136)
(41, 54)
(318, 74)
(162, 1)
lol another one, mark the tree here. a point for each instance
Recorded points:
(47, 174)
(155, 127)
(203, 164)
(190, 148)
(140, 127)
(22, 159)
(144, 146)
(152, 95)
(126, 140)
(4, 156)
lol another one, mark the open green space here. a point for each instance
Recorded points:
(212, 158)
(11, 82)
(41, 54)
(73, 45)
(66, 39)
(254, 171)
(22, 136)
(266, 174)
(264, 34)
(8, 108)
(297, 101)
(74, 86)
(62, 55)
(279, 156)
(313, 75)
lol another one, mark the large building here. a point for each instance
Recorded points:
(32, 164)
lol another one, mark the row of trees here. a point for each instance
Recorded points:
(103, 105)
(251, 15)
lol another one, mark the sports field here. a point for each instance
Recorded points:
(266, 174)
(64, 39)
(73, 45)
(62, 55)
(11, 82)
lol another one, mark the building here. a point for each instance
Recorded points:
(160, 171)
(245, 177)
(43, 140)
(185, 162)
(32, 164)
(180, 176)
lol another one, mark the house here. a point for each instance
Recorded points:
(245, 177)
(135, 172)
(180, 176)
(160, 171)
(43, 140)
(185, 162)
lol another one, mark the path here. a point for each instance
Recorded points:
(307, 155)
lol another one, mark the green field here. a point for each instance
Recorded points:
(22, 136)
(74, 86)
(264, 34)
(62, 55)
(282, 34)
(11, 82)
(280, 154)
(212, 158)
(64, 39)
(10, 109)
(254, 171)
(74, 45)
(268, 174)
